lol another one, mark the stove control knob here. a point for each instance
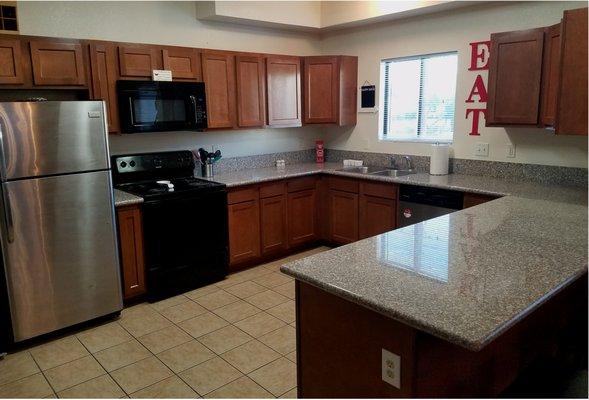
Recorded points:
(157, 162)
(132, 163)
(123, 164)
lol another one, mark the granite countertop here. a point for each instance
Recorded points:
(465, 183)
(125, 199)
(468, 276)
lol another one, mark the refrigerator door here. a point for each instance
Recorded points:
(51, 138)
(60, 251)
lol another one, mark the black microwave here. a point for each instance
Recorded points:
(156, 106)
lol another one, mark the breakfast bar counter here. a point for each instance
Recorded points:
(468, 299)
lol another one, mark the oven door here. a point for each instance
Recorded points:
(186, 242)
(161, 106)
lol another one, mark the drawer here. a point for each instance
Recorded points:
(384, 190)
(343, 184)
(243, 194)
(296, 185)
(272, 189)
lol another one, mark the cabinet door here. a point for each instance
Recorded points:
(244, 231)
(131, 248)
(283, 77)
(137, 61)
(183, 62)
(56, 63)
(550, 74)
(321, 90)
(219, 77)
(103, 66)
(11, 62)
(273, 224)
(343, 216)
(514, 77)
(302, 225)
(377, 215)
(571, 116)
(250, 91)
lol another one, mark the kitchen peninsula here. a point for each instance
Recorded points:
(466, 301)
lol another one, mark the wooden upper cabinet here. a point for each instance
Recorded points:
(11, 62)
(550, 74)
(251, 109)
(103, 66)
(131, 250)
(515, 73)
(138, 61)
(330, 90)
(283, 80)
(219, 77)
(57, 63)
(183, 62)
(571, 117)
(321, 90)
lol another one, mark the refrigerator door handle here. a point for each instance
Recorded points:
(2, 153)
(8, 216)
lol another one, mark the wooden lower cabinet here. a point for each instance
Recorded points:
(131, 251)
(273, 224)
(377, 215)
(343, 226)
(244, 231)
(302, 217)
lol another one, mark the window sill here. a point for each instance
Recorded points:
(425, 141)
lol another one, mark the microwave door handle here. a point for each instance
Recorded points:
(131, 111)
(193, 101)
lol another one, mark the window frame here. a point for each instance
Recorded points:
(383, 99)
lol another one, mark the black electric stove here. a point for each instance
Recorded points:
(184, 220)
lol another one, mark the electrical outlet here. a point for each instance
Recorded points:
(391, 368)
(481, 149)
(510, 153)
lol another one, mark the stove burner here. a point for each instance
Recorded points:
(169, 184)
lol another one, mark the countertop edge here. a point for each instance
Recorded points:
(419, 325)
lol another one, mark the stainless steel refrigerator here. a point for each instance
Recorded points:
(57, 225)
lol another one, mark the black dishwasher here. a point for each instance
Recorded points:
(418, 203)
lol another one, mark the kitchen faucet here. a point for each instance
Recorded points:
(407, 161)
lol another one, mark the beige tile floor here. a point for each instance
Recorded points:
(235, 338)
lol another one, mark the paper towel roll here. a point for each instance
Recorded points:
(438, 163)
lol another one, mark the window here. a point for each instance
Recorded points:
(418, 97)
(8, 22)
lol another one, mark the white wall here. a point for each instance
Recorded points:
(174, 23)
(453, 31)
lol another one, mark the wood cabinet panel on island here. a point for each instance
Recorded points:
(131, 250)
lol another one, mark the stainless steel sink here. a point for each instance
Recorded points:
(393, 172)
(361, 170)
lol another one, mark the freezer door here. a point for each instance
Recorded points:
(60, 251)
(51, 138)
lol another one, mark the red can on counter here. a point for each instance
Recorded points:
(319, 152)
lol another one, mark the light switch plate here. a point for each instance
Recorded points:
(391, 368)
(481, 149)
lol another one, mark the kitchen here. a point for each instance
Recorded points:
(242, 283)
